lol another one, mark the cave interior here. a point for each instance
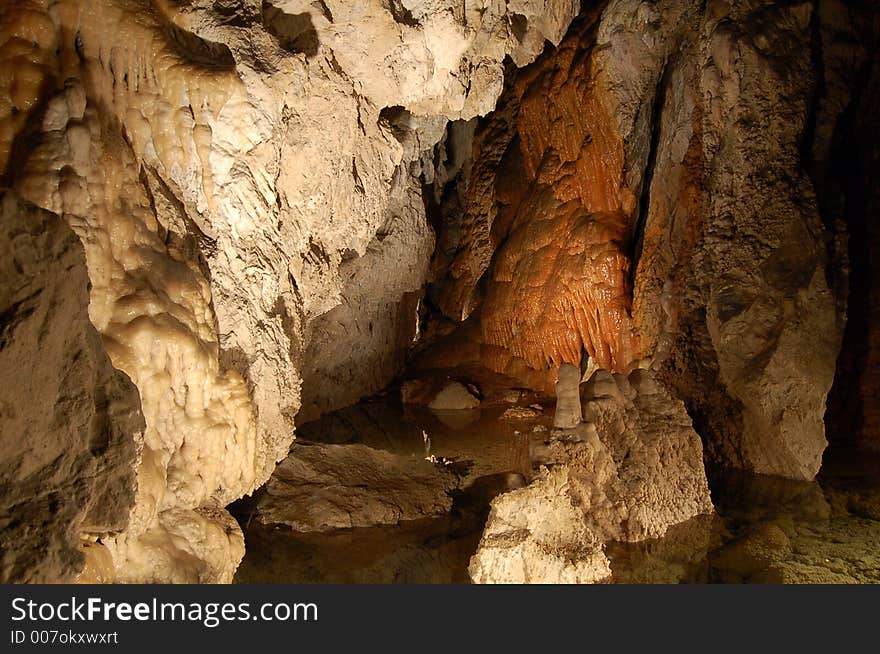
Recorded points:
(431, 291)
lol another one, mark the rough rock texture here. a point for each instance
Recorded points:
(537, 535)
(324, 487)
(631, 472)
(248, 180)
(71, 424)
(546, 188)
(235, 171)
(657, 199)
(98, 568)
(663, 481)
(731, 287)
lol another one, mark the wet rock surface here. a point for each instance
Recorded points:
(247, 263)
(630, 472)
(765, 529)
(323, 487)
(679, 192)
(771, 530)
(713, 221)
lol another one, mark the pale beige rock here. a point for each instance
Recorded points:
(454, 396)
(635, 470)
(521, 413)
(152, 303)
(659, 478)
(188, 146)
(98, 568)
(568, 397)
(536, 535)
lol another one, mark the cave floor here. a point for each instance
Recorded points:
(480, 443)
(766, 529)
(772, 530)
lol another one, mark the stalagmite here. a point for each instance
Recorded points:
(633, 470)
(568, 397)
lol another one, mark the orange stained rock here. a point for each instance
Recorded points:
(559, 283)
(567, 135)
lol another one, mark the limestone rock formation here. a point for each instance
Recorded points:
(668, 145)
(281, 204)
(537, 535)
(98, 568)
(568, 398)
(71, 423)
(454, 396)
(235, 171)
(324, 487)
(630, 472)
(546, 189)
(663, 481)
(731, 287)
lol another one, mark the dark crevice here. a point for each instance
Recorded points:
(648, 175)
(400, 13)
(844, 194)
(395, 118)
(324, 9)
(197, 50)
(16, 313)
(519, 25)
(295, 32)
(819, 91)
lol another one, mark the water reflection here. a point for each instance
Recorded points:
(766, 530)
(772, 530)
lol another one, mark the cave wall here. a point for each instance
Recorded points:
(538, 250)
(248, 181)
(72, 427)
(236, 171)
(751, 317)
(714, 259)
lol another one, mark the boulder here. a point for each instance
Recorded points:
(454, 397)
(323, 487)
(631, 471)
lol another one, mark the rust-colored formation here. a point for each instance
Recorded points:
(558, 282)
